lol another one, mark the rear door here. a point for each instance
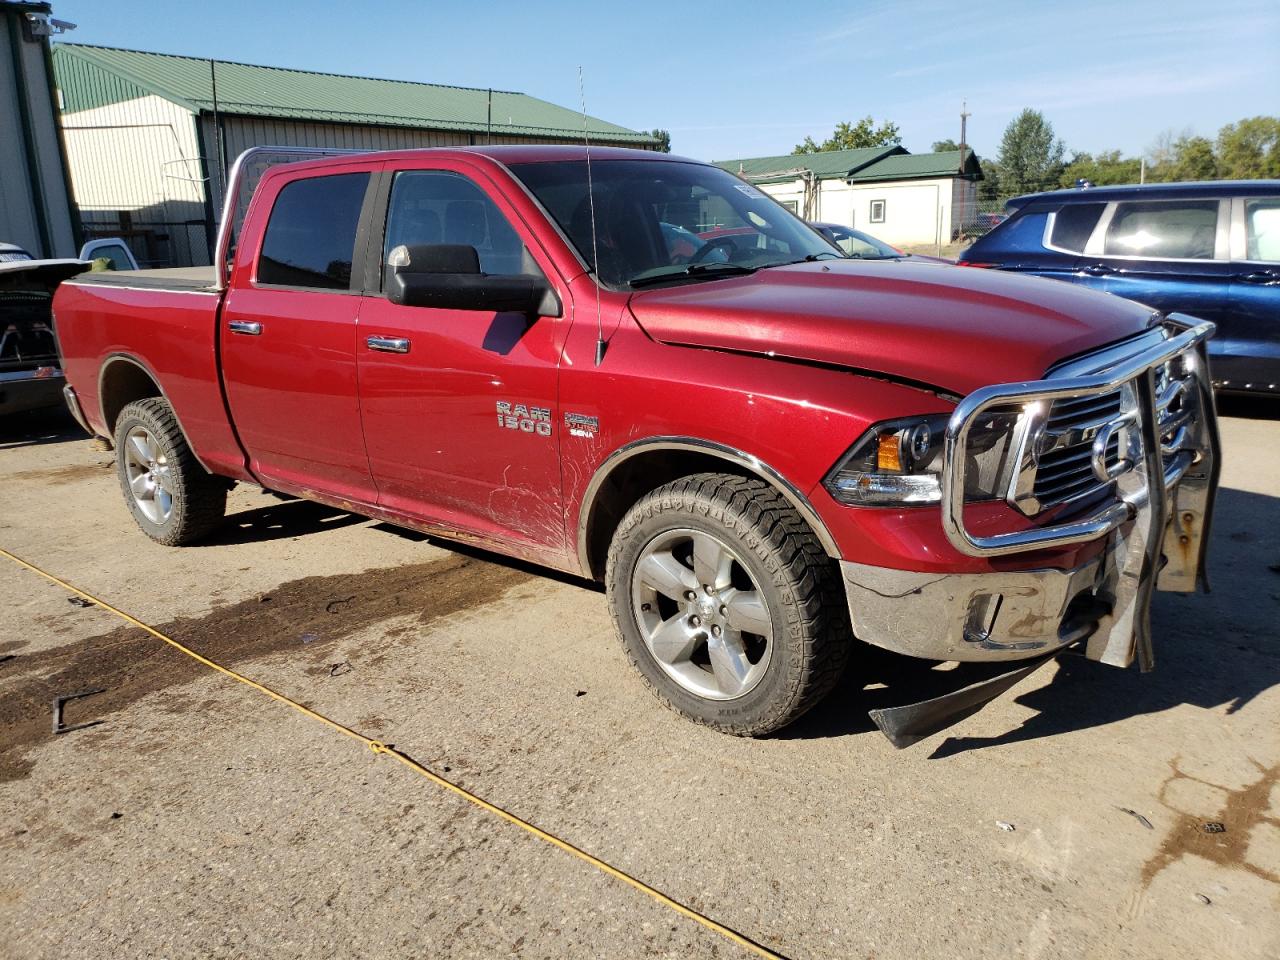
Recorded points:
(460, 411)
(1248, 355)
(288, 331)
(1168, 254)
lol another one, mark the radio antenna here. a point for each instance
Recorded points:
(591, 205)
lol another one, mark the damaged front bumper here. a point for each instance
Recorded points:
(1153, 525)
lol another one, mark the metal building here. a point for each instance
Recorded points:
(36, 211)
(150, 136)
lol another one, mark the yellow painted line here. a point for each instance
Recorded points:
(382, 749)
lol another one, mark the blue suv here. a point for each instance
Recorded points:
(1208, 249)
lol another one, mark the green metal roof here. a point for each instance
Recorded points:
(828, 165)
(308, 96)
(920, 166)
(868, 164)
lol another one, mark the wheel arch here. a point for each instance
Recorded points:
(123, 379)
(633, 470)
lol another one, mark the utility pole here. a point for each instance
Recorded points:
(964, 125)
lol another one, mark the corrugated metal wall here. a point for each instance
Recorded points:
(138, 166)
(135, 165)
(35, 211)
(241, 133)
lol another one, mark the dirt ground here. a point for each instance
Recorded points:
(196, 818)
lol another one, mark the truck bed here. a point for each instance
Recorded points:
(177, 279)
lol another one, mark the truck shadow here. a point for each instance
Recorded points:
(1212, 651)
(1249, 407)
(279, 520)
(35, 427)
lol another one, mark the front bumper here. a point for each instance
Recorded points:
(1154, 531)
(973, 616)
(22, 390)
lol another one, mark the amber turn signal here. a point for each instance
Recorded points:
(888, 452)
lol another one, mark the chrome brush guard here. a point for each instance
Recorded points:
(1155, 458)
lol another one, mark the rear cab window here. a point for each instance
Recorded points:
(1163, 230)
(310, 237)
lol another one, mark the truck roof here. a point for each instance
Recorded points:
(1210, 189)
(509, 153)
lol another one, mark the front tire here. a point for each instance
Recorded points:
(173, 499)
(727, 604)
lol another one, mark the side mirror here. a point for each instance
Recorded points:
(447, 276)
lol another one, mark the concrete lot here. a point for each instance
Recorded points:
(199, 819)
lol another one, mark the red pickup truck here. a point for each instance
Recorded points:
(765, 450)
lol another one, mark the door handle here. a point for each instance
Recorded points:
(251, 328)
(1098, 270)
(1262, 276)
(388, 344)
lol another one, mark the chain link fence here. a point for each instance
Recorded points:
(988, 211)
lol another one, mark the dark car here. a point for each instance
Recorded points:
(1209, 249)
(30, 370)
(863, 246)
(11, 253)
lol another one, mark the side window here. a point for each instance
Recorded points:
(1177, 229)
(1073, 225)
(1262, 229)
(435, 206)
(115, 255)
(311, 236)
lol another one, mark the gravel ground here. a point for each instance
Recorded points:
(199, 819)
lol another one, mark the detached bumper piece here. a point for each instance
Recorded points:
(1148, 440)
(22, 390)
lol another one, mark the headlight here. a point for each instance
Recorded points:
(899, 462)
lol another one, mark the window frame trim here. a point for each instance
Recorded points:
(871, 210)
(1239, 230)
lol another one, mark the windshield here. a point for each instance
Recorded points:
(662, 220)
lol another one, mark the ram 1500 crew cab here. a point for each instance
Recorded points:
(763, 449)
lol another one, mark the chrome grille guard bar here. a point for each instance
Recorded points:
(1193, 333)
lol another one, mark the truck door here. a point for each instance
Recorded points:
(288, 331)
(460, 413)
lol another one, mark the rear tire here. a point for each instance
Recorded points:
(173, 499)
(727, 604)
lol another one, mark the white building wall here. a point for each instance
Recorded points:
(916, 212)
(33, 189)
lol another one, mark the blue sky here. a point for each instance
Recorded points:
(747, 78)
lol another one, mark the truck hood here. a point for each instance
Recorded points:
(956, 328)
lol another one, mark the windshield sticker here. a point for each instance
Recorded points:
(749, 191)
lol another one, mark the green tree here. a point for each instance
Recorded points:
(1250, 149)
(664, 139)
(850, 136)
(1030, 156)
(1101, 170)
(989, 188)
(1193, 159)
(945, 146)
